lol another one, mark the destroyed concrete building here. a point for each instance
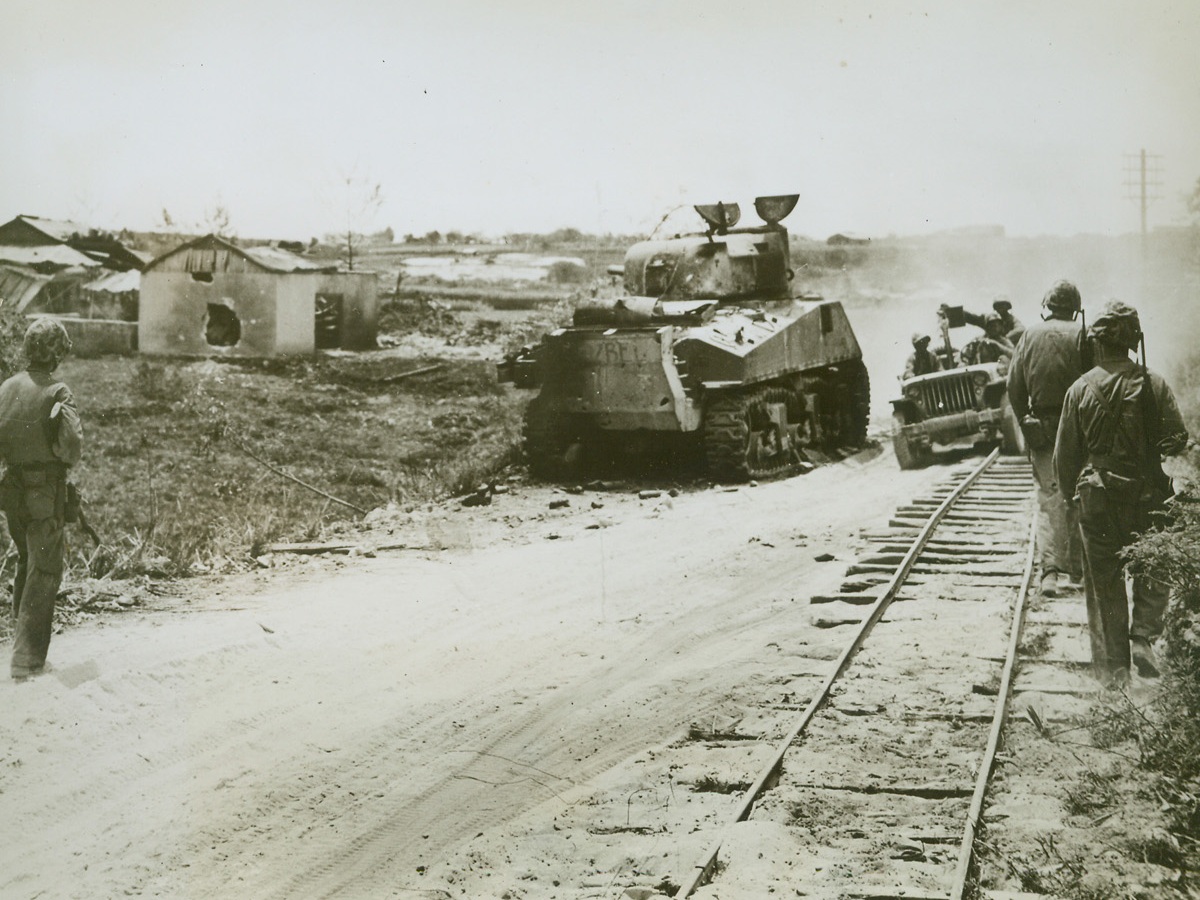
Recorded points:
(210, 297)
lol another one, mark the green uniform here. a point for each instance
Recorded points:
(1108, 464)
(40, 438)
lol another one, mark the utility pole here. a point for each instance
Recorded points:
(1143, 181)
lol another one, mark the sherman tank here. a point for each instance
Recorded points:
(709, 347)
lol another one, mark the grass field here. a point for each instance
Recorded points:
(175, 470)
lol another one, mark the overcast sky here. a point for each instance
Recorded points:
(890, 117)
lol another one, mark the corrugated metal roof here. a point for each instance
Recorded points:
(116, 283)
(59, 229)
(56, 254)
(19, 286)
(282, 260)
(215, 254)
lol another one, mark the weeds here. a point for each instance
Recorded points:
(172, 493)
(1037, 644)
(709, 784)
(1114, 721)
(1092, 793)
(1058, 876)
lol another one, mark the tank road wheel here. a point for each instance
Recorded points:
(1012, 439)
(909, 455)
(743, 440)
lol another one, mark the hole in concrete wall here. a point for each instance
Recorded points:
(206, 277)
(223, 328)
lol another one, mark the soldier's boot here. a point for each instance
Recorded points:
(1050, 586)
(1143, 657)
(24, 673)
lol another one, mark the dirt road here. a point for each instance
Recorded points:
(374, 727)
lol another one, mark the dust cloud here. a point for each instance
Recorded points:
(894, 287)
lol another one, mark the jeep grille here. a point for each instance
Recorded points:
(948, 394)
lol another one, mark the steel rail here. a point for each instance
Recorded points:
(966, 851)
(703, 869)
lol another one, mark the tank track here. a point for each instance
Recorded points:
(730, 422)
(545, 439)
(858, 409)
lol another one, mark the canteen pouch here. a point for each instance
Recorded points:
(1037, 435)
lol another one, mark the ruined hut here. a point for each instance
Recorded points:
(48, 266)
(209, 297)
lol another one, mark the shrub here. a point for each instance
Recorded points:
(564, 271)
(1172, 745)
(12, 332)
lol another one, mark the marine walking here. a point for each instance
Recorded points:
(1118, 420)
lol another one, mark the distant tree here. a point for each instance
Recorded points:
(566, 236)
(217, 220)
(361, 198)
(433, 237)
(454, 237)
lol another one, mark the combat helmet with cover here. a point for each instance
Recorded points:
(1063, 296)
(1118, 325)
(46, 343)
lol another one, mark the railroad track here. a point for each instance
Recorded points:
(875, 787)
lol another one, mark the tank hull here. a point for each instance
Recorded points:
(657, 377)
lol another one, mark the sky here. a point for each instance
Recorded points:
(531, 115)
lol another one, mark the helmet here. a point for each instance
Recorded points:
(1001, 304)
(1117, 325)
(992, 320)
(46, 342)
(1063, 296)
(920, 337)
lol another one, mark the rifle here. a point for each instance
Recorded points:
(73, 507)
(74, 513)
(1157, 477)
(1086, 360)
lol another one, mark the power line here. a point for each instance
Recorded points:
(1143, 182)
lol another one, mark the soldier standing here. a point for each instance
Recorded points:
(40, 438)
(1117, 419)
(1047, 360)
(1002, 307)
(922, 361)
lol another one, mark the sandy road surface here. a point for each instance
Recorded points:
(344, 731)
